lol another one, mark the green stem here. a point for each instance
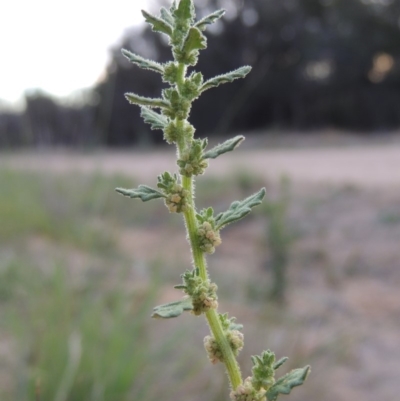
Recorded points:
(232, 366)
(214, 322)
(179, 123)
(199, 261)
(191, 227)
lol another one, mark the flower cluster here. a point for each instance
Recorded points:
(173, 132)
(202, 292)
(235, 340)
(208, 237)
(176, 197)
(192, 161)
(246, 392)
(263, 370)
(204, 298)
(176, 200)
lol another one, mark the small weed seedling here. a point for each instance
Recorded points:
(186, 39)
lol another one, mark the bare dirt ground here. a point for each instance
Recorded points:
(344, 274)
(365, 165)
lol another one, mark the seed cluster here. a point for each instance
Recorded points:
(235, 339)
(208, 238)
(190, 165)
(204, 298)
(177, 199)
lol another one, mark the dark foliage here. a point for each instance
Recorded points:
(45, 122)
(316, 63)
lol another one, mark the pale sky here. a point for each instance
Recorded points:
(59, 46)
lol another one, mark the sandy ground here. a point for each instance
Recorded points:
(367, 166)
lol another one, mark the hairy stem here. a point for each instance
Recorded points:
(199, 261)
(181, 144)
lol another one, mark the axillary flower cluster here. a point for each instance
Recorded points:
(186, 38)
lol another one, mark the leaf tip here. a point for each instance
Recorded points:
(239, 140)
(121, 191)
(247, 69)
(307, 371)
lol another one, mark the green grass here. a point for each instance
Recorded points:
(82, 331)
(79, 333)
(76, 210)
(31, 204)
(78, 342)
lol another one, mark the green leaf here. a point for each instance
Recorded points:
(229, 323)
(236, 326)
(191, 86)
(180, 287)
(142, 62)
(185, 11)
(172, 9)
(238, 210)
(157, 121)
(285, 384)
(195, 40)
(146, 101)
(167, 16)
(279, 363)
(166, 181)
(173, 309)
(206, 215)
(263, 370)
(225, 78)
(209, 19)
(224, 147)
(158, 24)
(171, 73)
(143, 192)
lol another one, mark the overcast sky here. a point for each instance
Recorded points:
(59, 46)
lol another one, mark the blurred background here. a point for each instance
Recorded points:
(313, 273)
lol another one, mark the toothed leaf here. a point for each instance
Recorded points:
(225, 78)
(173, 309)
(285, 384)
(195, 40)
(185, 11)
(209, 19)
(224, 147)
(239, 209)
(172, 9)
(146, 101)
(143, 192)
(167, 16)
(142, 62)
(157, 121)
(157, 24)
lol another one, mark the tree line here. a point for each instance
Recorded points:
(316, 64)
